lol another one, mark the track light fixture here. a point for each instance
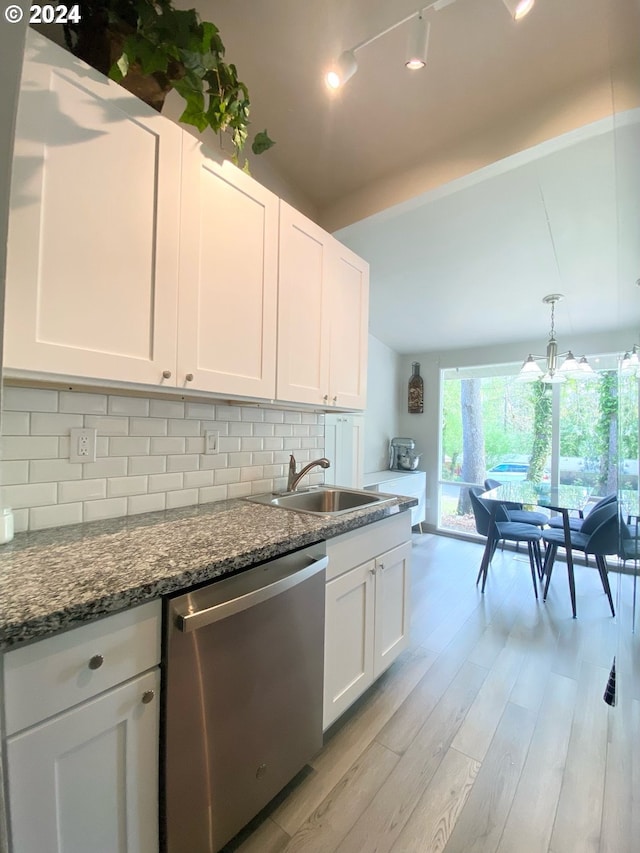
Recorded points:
(346, 66)
(418, 44)
(519, 8)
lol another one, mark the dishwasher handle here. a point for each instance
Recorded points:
(209, 615)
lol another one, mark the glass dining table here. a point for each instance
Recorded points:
(561, 499)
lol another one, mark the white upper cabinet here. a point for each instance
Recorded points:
(323, 304)
(228, 278)
(93, 233)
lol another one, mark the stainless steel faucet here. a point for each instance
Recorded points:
(296, 476)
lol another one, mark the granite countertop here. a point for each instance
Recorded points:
(51, 580)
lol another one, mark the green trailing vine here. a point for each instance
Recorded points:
(542, 403)
(179, 51)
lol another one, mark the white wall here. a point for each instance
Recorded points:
(425, 428)
(383, 404)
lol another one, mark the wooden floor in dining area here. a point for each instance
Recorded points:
(489, 733)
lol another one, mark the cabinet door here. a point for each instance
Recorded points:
(344, 447)
(349, 328)
(88, 778)
(392, 616)
(228, 278)
(348, 662)
(93, 232)
(303, 309)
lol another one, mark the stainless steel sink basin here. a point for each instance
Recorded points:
(323, 500)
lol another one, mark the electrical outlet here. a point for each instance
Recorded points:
(211, 439)
(82, 446)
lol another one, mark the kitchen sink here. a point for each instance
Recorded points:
(323, 500)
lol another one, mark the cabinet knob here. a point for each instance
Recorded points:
(166, 374)
(381, 566)
(148, 696)
(189, 377)
(326, 398)
(372, 571)
(96, 662)
(335, 399)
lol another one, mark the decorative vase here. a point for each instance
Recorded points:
(416, 391)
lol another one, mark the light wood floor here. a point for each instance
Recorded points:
(489, 734)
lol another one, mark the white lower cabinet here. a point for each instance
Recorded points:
(367, 609)
(85, 776)
(87, 779)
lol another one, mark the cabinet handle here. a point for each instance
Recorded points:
(189, 377)
(96, 662)
(148, 696)
(166, 374)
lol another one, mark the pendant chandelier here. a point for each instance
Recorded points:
(571, 367)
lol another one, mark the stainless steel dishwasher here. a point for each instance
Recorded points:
(242, 695)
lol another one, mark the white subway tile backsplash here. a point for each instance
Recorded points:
(109, 508)
(194, 445)
(118, 487)
(106, 425)
(166, 409)
(150, 454)
(184, 427)
(29, 447)
(165, 482)
(87, 404)
(239, 490)
(111, 466)
(20, 520)
(53, 470)
(212, 493)
(183, 462)
(228, 413)
(145, 503)
(129, 406)
(14, 472)
(252, 444)
(229, 444)
(15, 423)
(29, 399)
(30, 494)
(264, 429)
(196, 479)
(200, 411)
(182, 497)
(53, 423)
(147, 465)
(148, 426)
(129, 445)
(227, 475)
(55, 516)
(165, 446)
(251, 472)
(81, 490)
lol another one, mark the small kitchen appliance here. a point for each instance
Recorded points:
(402, 454)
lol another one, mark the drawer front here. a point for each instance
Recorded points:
(52, 675)
(366, 543)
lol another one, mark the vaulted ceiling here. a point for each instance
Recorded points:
(387, 159)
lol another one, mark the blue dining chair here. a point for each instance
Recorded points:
(576, 522)
(515, 512)
(598, 535)
(504, 529)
